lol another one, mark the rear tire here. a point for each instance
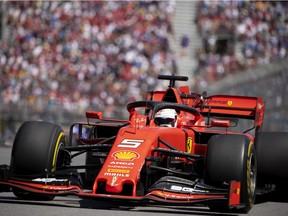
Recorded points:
(35, 153)
(232, 157)
(272, 157)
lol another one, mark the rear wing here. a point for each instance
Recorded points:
(233, 106)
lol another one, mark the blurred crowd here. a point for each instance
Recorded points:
(101, 55)
(240, 34)
(84, 54)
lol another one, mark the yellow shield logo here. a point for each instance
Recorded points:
(189, 145)
(125, 155)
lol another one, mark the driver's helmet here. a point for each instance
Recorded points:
(166, 118)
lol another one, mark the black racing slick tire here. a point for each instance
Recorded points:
(272, 157)
(35, 153)
(232, 157)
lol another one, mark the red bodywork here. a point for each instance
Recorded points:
(138, 143)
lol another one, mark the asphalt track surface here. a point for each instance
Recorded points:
(271, 204)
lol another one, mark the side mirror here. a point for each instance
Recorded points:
(93, 115)
(81, 133)
(220, 123)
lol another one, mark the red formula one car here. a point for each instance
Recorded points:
(176, 147)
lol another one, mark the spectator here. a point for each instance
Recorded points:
(254, 33)
(84, 54)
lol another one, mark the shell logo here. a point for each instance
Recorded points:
(125, 155)
(230, 103)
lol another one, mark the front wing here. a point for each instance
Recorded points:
(168, 193)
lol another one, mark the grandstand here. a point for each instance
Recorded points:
(83, 54)
(238, 35)
(58, 59)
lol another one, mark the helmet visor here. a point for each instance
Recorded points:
(164, 121)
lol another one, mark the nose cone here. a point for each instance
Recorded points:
(113, 186)
(114, 183)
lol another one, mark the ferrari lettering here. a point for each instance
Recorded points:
(210, 101)
(130, 143)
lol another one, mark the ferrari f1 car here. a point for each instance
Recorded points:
(176, 148)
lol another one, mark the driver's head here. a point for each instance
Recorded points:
(166, 118)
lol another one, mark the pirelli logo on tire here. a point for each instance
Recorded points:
(189, 145)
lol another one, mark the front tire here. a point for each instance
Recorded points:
(232, 157)
(35, 153)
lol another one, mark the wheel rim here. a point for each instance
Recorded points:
(252, 171)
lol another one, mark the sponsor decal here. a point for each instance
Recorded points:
(118, 171)
(210, 102)
(141, 120)
(189, 144)
(186, 189)
(119, 167)
(46, 180)
(130, 143)
(122, 163)
(174, 196)
(125, 155)
(114, 179)
(220, 102)
(116, 174)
